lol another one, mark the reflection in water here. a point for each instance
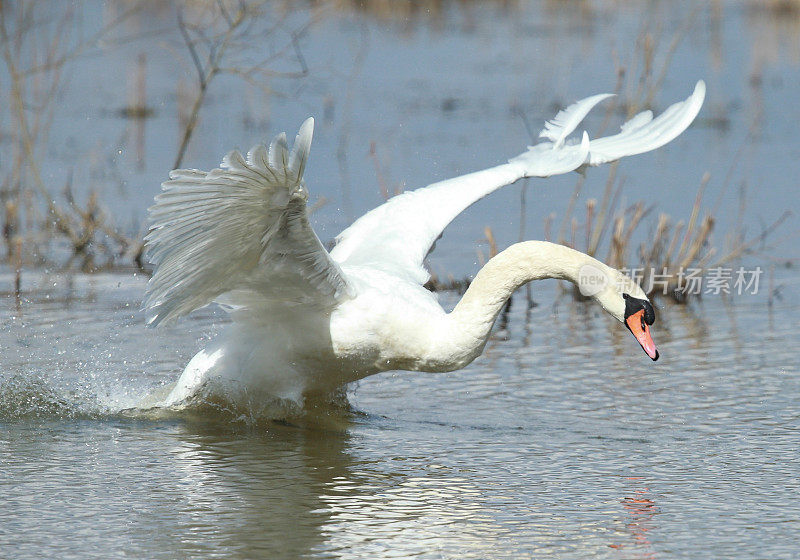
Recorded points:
(198, 489)
(295, 492)
(640, 510)
(253, 494)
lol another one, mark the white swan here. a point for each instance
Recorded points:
(306, 321)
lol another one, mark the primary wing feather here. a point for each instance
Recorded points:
(239, 233)
(643, 133)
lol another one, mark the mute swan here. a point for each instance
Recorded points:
(306, 321)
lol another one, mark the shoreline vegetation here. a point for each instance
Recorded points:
(45, 225)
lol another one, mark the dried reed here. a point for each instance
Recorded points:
(663, 257)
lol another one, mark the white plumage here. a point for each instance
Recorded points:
(306, 321)
(568, 119)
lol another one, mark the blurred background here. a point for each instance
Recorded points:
(102, 99)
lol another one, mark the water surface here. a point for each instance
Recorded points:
(563, 441)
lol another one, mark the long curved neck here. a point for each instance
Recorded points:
(519, 264)
(472, 319)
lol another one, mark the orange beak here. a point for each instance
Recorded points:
(641, 331)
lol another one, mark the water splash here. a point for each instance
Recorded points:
(37, 396)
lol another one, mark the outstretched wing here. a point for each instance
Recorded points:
(238, 234)
(396, 236)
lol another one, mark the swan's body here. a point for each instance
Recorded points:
(306, 321)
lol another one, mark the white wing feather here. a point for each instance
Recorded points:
(637, 121)
(239, 233)
(568, 119)
(396, 236)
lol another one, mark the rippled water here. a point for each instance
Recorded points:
(563, 440)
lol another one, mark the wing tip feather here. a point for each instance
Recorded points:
(301, 148)
(567, 120)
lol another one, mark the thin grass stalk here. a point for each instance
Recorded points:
(570, 208)
(604, 209)
(694, 214)
(676, 233)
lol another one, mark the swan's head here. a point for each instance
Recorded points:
(622, 298)
(639, 315)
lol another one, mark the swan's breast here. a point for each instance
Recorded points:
(388, 325)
